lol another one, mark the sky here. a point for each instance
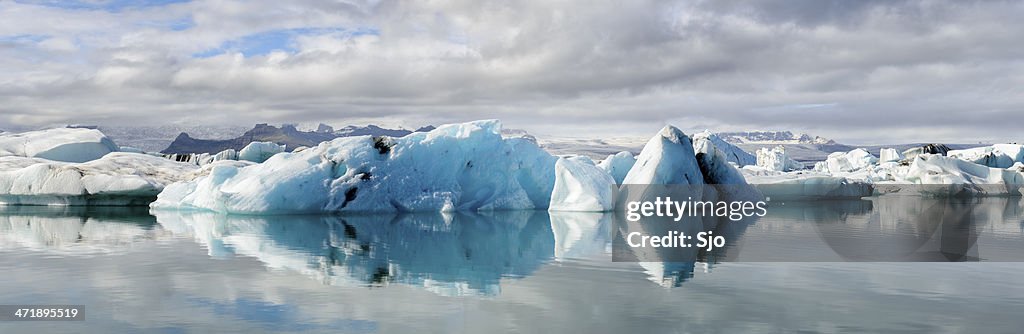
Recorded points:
(868, 72)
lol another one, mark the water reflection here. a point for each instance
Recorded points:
(449, 254)
(471, 254)
(75, 230)
(907, 228)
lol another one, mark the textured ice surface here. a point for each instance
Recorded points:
(890, 155)
(458, 167)
(115, 179)
(776, 159)
(61, 144)
(668, 158)
(581, 186)
(258, 151)
(998, 156)
(730, 152)
(840, 162)
(618, 165)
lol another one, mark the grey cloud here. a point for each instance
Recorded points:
(879, 67)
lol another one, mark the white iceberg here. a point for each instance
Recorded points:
(776, 159)
(259, 151)
(618, 165)
(889, 155)
(581, 186)
(997, 156)
(730, 152)
(839, 162)
(719, 170)
(668, 158)
(61, 144)
(812, 186)
(455, 167)
(115, 179)
(964, 177)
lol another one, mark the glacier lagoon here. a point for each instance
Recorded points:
(526, 271)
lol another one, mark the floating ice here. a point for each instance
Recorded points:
(618, 165)
(966, 177)
(889, 155)
(668, 158)
(776, 159)
(939, 149)
(61, 144)
(730, 152)
(581, 186)
(258, 151)
(998, 156)
(115, 179)
(455, 167)
(840, 162)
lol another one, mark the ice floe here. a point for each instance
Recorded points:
(458, 167)
(60, 144)
(618, 165)
(115, 179)
(776, 159)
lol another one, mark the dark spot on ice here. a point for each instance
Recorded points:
(705, 168)
(383, 144)
(350, 195)
(469, 164)
(365, 176)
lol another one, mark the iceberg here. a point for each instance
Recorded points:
(730, 152)
(996, 156)
(813, 187)
(61, 144)
(962, 177)
(581, 186)
(618, 165)
(668, 158)
(719, 170)
(840, 162)
(258, 151)
(889, 155)
(939, 149)
(457, 167)
(776, 159)
(115, 179)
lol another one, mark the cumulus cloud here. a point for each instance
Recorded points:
(861, 71)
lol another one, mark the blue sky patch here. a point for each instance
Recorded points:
(276, 40)
(22, 39)
(109, 5)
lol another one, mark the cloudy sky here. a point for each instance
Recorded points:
(860, 72)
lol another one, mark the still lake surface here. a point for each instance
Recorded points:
(829, 266)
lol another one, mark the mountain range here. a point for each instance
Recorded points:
(287, 135)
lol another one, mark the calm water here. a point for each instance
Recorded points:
(523, 271)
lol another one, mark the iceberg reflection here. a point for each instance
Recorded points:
(449, 254)
(75, 230)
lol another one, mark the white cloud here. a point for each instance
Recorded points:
(876, 67)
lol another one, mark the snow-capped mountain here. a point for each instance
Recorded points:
(156, 138)
(773, 137)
